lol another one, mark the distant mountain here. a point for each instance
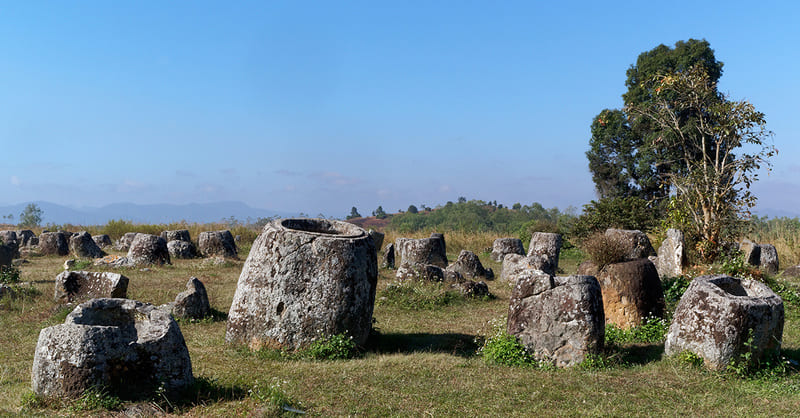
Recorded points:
(160, 213)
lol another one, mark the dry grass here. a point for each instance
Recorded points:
(421, 364)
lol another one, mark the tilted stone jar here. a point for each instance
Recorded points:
(305, 279)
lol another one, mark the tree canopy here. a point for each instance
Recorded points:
(625, 156)
(31, 216)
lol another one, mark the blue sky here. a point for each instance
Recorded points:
(319, 106)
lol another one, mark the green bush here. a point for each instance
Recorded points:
(621, 212)
(652, 330)
(96, 398)
(503, 348)
(335, 347)
(674, 289)
(9, 275)
(274, 396)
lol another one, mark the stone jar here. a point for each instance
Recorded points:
(132, 349)
(558, 319)
(305, 279)
(53, 243)
(721, 317)
(503, 246)
(632, 292)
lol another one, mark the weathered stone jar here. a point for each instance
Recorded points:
(305, 279)
(132, 349)
(720, 317)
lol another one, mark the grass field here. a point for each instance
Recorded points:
(419, 363)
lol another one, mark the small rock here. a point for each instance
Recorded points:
(192, 303)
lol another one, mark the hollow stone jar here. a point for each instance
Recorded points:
(305, 279)
(720, 317)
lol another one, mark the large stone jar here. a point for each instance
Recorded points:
(720, 318)
(305, 279)
(132, 349)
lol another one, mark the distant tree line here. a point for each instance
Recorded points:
(481, 216)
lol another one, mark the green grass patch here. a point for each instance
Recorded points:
(652, 330)
(416, 295)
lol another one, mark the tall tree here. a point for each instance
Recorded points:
(625, 155)
(31, 216)
(716, 147)
(353, 213)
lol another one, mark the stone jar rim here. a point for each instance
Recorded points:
(756, 291)
(321, 227)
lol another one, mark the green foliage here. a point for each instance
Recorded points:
(690, 358)
(625, 157)
(272, 394)
(787, 292)
(652, 330)
(674, 288)
(31, 216)
(31, 401)
(81, 264)
(379, 213)
(9, 275)
(353, 213)
(770, 366)
(480, 216)
(619, 212)
(415, 295)
(718, 146)
(503, 348)
(335, 347)
(604, 249)
(94, 399)
(412, 209)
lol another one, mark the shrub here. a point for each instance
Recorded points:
(273, 395)
(674, 288)
(620, 212)
(652, 330)
(690, 358)
(335, 347)
(9, 275)
(604, 249)
(503, 348)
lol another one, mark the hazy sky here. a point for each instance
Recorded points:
(318, 106)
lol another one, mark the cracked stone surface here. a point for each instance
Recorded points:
(469, 266)
(147, 249)
(304, 279)
(672, 254)
(53, 243)
(513, 264)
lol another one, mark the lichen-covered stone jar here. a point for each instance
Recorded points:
(305, 279)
